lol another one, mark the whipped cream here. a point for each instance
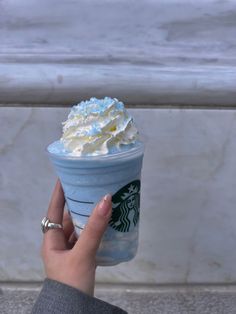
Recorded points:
(97, 127)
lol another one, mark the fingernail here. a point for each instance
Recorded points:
(107, 197)
(104, 206)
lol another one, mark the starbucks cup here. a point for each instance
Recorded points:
(85, 180)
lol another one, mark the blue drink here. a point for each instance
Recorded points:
(86, 179)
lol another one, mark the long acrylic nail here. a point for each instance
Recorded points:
(104, 205)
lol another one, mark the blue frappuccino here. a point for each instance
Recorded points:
(100, 153)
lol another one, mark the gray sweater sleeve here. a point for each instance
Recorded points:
(58, 298)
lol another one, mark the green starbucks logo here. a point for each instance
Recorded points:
(125, 207)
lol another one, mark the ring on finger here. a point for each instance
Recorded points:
(46, 225)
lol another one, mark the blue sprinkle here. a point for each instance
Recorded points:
(96, 106)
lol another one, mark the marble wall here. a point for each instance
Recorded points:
(150, 54)
(187, 230)
(175, 52)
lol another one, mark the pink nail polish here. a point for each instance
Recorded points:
(104, 205)
(107, 197)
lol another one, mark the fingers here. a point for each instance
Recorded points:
(91, 236)
(72, 240)
(69, 230)
(68, 226)
(55, 239)
(57, 203)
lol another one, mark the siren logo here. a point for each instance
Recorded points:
(125, 207)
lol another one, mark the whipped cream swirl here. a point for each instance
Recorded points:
(97, 127)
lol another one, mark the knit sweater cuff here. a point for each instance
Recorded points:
(58, 298)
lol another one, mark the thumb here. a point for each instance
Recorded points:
(91, 236)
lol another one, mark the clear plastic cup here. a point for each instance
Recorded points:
(85, 180)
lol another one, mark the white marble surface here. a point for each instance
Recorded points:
(175, 52)
(188, 229)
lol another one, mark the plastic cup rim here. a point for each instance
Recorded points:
(133, 152)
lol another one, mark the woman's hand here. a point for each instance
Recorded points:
(67, 259)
